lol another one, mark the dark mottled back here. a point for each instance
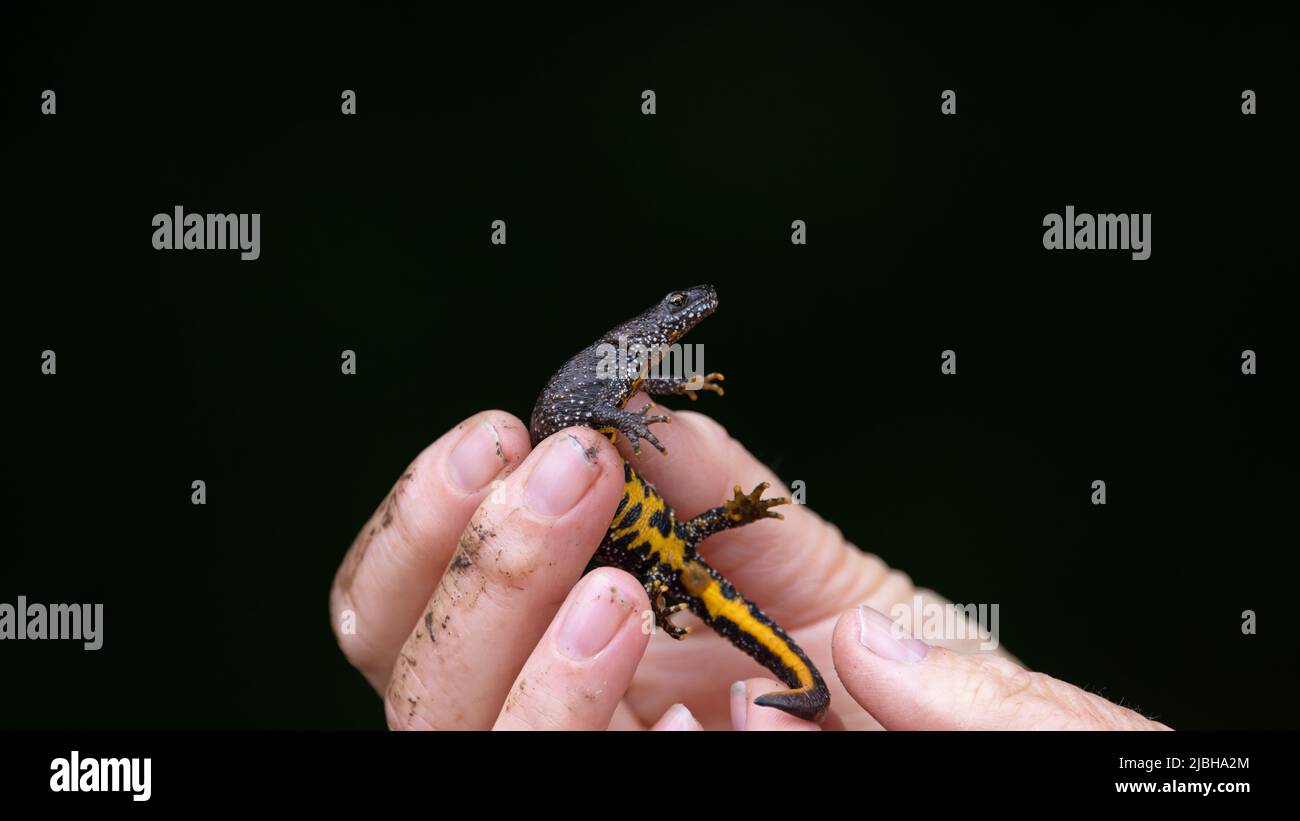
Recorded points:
(587, 380)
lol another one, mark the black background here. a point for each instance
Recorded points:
(925, 233)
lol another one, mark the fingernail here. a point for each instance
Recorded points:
(595, 614)
(678, 719)
(739, 706)
(562, 477)
(880, 635)
(476, 459)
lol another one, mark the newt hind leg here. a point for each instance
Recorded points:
(738, 511)
(656, 588)
(744, 508)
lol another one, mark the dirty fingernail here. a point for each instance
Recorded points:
(562, 477)
(597, 610)
(880, 635)
(476, 459)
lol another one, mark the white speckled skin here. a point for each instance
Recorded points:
(580, 394)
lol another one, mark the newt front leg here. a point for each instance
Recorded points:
(670, 386)
(635, 426)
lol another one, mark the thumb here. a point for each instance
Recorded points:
(909, 685)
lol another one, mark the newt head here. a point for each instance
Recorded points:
(682, 310)
(668, 320)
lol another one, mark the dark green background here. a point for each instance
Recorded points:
(925, 234)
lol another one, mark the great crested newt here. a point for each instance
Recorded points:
(646, 538)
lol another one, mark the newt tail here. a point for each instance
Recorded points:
(646, 538)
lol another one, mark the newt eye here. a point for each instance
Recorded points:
(677, 298)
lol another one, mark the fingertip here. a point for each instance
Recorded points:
(629, 587)
(577, 675)
(485, 446)
(575, 472)
(847, 653)
(595, 445)
(866, 647)
(677, 719)
(595, 618)
(516, 443)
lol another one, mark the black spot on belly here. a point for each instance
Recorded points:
(631, 517)
(623, 542)
(661, 521)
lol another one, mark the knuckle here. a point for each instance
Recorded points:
(1027, 699)
(403, 704)
(492, 551)
(994, 685)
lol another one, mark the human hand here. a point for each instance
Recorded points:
(465, 615)
(457, 599)
(908, 685)
(805, 575)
